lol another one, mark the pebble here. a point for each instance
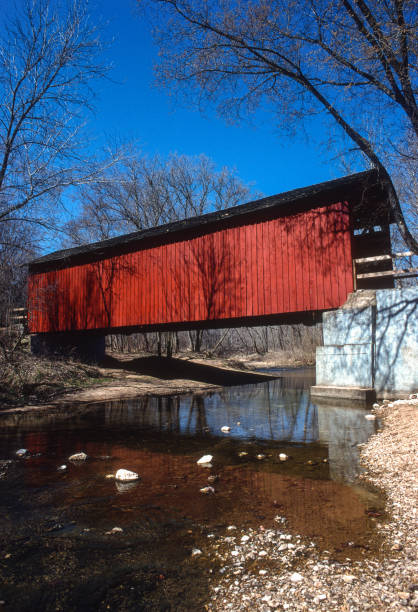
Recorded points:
(295, 577)
(349, 578)
(283, 457)
(22, 452)
(62, 468)
(196, 552)
(261, 456)
(225, 429)
(78, 457)
(370, 417)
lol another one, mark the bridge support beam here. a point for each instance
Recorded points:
(85, 346)
(370, 346)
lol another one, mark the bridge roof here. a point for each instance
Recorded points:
(364, 189)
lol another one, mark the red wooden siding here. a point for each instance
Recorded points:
(288, 264)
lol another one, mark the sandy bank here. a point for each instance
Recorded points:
(127, 376)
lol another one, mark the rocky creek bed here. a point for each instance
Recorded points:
(297, 576)
(71, 540)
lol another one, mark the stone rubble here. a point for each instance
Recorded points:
(270, 569)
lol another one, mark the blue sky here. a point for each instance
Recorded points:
(132, 108)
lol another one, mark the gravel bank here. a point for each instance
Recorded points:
(271, 569)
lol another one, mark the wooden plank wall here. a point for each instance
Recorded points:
(288, 264)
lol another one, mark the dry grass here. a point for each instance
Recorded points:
(25, 378)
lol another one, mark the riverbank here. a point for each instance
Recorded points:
(45, 383)
(297, 576)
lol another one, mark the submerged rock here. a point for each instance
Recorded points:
(78, 457)
(207, 490)
(225, 429)
(126, 476)
(114, 530)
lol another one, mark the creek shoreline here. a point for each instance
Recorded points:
(304, 578)
(126, 376)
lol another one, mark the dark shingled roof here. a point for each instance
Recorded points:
(298, 199)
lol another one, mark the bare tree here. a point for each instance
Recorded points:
(353, 61)
(145, 192)
(48, 62)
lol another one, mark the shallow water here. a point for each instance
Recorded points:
(56, 552)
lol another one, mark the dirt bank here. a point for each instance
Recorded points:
(302, 578)
(126, 376)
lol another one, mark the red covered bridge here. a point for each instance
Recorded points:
(284, 258)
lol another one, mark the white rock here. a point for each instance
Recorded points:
(225, 429)
(196, 552)
(114, 530)
(245, 538)
(370, 417)
(375, 405)
(295, 577)
(77, 457)
(261, 456)
(126, 475)
(62, 468)
(22, 452)
(205, 460)
(283, 457)
(242, 454)
(207, 490)
(231, 528)
(234, 553)
(109, 476)
(262, 572)
(262, 553)
(349, 578)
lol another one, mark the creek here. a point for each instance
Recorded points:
(57, 553)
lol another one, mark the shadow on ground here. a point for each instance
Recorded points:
(171, 369)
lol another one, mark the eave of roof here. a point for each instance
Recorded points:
(367, 178)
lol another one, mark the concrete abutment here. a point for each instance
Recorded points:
(370, 346)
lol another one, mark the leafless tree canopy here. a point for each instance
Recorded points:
(48, 58)
(145, 192)
(352, 60)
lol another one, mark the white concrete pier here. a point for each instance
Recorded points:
(370, 346)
